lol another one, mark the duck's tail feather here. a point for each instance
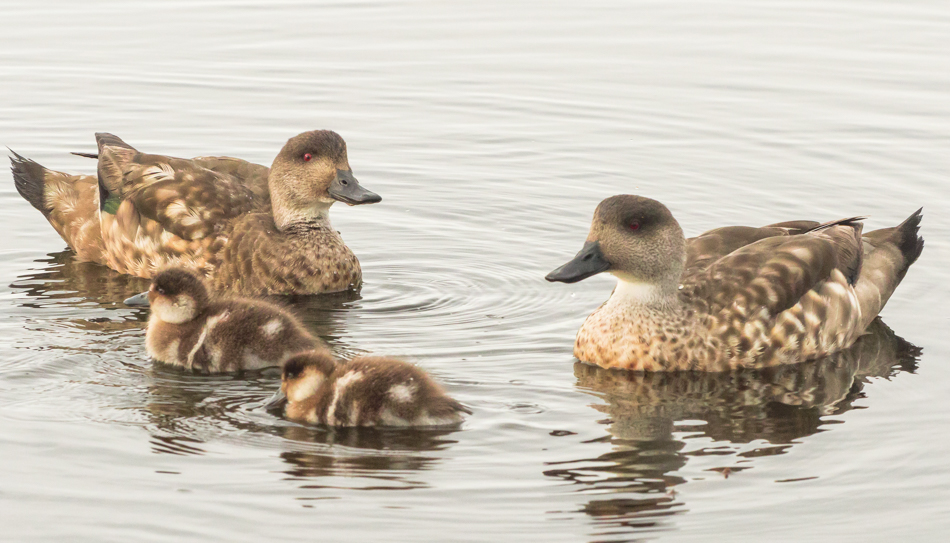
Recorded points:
(69, 203)
(30, 180)
(888, 254)
(910, 243)
(94, 156)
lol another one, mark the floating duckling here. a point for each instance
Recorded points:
(251, 229)
(733, 297)
(367, 391)
(190, 329)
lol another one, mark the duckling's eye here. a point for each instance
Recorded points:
(307, 157)
(634, 225)
(160, 290)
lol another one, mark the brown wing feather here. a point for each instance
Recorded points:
(774, 273)
(253, 176)
(186, 199)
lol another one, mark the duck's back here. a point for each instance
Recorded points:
(781, 299)
(158, 211)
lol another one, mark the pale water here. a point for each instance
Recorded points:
(491, 130)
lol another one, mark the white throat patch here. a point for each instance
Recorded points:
(181, 309)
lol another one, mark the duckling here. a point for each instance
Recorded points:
(367, 391)
(250, 229)
(190, 329)
(734, 297)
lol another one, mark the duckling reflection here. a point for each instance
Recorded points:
(372, 454)
(779, 405)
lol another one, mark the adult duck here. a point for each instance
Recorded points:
(733, 297)
(250, 229)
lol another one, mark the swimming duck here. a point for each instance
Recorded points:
(734, 297)
(191, 329)
(367, 391)
(251, 229)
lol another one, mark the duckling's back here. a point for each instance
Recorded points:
(378, 391)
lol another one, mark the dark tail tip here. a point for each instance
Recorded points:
(86, 155)
(911, 244)
(29, 178)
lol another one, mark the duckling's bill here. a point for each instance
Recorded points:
(277, 402)
(588, 262)
(139, 300)
(348, 190)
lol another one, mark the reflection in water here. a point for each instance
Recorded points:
(777, 405)
(379, 457)
(66, 282)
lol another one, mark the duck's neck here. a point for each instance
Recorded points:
(637, 297)
(288, 216)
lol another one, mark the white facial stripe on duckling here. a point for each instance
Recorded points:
(175, 311)
(403, 392)
(338, 389)
(305, 386)
(273, 327)
(208, 327)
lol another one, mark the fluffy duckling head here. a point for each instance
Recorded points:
(303, 374)
(176, 295)
(634, 238)
(310, 174)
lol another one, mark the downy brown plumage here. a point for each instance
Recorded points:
(367, 391)
(732, 297)
(251, 229)
(190, 328)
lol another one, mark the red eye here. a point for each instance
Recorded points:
(635, 225)
(307, 157)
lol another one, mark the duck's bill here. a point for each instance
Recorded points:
(277, 402)
(347, 189)
(590, 261)
(139, 300)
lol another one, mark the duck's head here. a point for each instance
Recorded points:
(176, 295)
(310, 174)
(301, 376)
(634, 238)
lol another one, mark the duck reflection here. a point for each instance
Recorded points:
(651, 417)
(64, 282)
